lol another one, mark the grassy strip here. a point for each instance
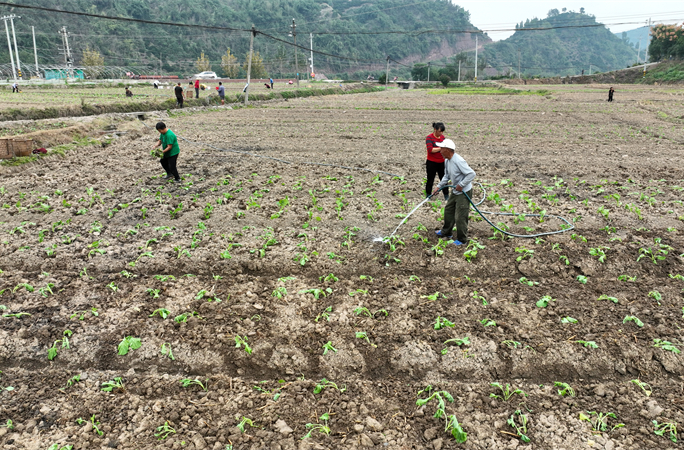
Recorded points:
(56, 150)
(666, 72)
(485, 90)
(86, 109)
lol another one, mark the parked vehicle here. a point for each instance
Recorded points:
(206, 75)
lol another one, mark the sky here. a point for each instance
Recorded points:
(497, 14)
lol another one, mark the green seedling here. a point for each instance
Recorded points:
(522, 428)
(666, 345)
(325, 429)
(564, 259)
(243, 422)
(564, 389)
(57, 446)
(331, 278)
(599, 421)
(163, 313)
(26, 286)
(506, 392)
(325, 384)
(95, 424)
(358, 291)
(328, 347)
(317, 293)
(154, 293)
(242, 342)
(666, 427)
(364, 335)
(657, 296)
(116, 383)
(113, 286)
(73, 380)
(525, 253)
(544, 301)
(279, 292)
(16, 315)
(451, 423)
(588, 344)
(128, 343)
(187, 382)
(511, 344)
(600, 252)
(63, 343)
(479, 297)
(530, 283)
(582, 279)
(627, 278)
(456, 341)
(634, 319)
(471, 250)
(164, 431)
(606, 297)
(442, 322)
(415, 278)
(7, 388)
(488, 322)
(433, 297)
(324, 315)
(648, 390)
(568, 319)
(166, 351)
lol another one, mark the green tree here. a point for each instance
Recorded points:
(229, 65)
(93, 62)
(258, 69)
(444, 79)
(202, 64)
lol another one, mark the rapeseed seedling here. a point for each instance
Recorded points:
(325, 429)
(521, 429)
(433, 297)
(606, 297)
(364, 335)
(163, 313)
(243, 422)
(456, 341)
(328, 347)
(166, 351)
(564, 389)
(128, 343)
(506, 392)
(442, 322)
(666, 427)
(324, 315)
(488, 322)
(588, 344)
(530, 283)
(634, 319)
(568, 320)
(582, 279)
(116, 383)
(648, 390)
(63, 343)
(544, 301)
(164, 431)
(599, 421)
(666, 345)
(242, 342)
(451, 423)
(187, 382)
(326, 384)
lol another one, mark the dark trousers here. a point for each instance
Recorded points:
(610, 96)
(434, 168)
(169, 164)
(196, 92)
(179, 101)
(456, 215)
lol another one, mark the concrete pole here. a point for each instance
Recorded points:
(249, 63)
(9, 45)
(311, 44)
(476, 58)
(589, 69)
(428, 72)
(459, 71)
(639, 52)
(518, 64)
(649, 41)
(35, 50)
(387, 73)
(16, 50)
(294, 35)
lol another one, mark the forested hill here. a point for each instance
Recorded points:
(144, 45)
(561, 51)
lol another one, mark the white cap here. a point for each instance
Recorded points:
(448, 143)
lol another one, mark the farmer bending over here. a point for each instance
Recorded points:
(170, 151)
(457, 172)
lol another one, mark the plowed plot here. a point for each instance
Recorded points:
(261, 285)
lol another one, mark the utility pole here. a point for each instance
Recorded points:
(16, 50)
(9, 46)
(35, 51)
(311, 59)
(476, 58)
(428, 72)
(459, 71)
(249, 62)
(639, 52)
(649, 41)
(387, 72)
(294, 35)
(67, 51)
(518, 64)
(589, 69)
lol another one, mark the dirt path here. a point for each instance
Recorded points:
(281, 258)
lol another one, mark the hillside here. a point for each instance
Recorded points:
(561, 51)
(146, 47)
(634, 36)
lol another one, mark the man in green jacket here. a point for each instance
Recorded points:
(170, 151)
(457, 173)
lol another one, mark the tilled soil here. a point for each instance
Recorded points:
(286, 259)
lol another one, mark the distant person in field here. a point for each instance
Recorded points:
(271, 80)
(457, 173)
(197, 87)
(15, 87)
(611, 91)
(170, 151)
(178, 90)
(222, 93)
(156, 84)
(128, 92)
(435, 162)
(267, 86)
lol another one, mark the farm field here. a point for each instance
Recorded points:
(60, 96)
(253, 306)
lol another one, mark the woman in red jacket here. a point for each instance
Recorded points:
(435, 162)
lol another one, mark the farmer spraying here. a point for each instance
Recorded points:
(434, 165)
(458, 173)
(221, 93)
(170, 151)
